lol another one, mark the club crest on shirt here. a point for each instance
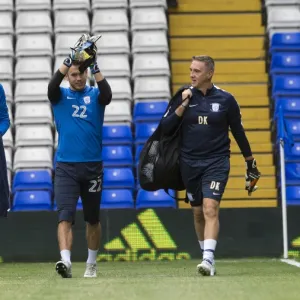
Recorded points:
(215, 107)
(87, 100)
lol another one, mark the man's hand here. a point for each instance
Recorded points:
(252, 176)
(68, 61)
(94, 68)
(186, 94)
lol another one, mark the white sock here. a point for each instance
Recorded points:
(66, 255)
(201, 243)
(92, 256)
(209, 249)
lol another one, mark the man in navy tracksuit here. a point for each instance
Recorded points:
(4, 125)
(79, 115)
(207, 113)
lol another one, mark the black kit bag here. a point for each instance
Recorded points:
(159, 160)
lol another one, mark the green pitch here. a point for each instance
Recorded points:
(240, 280)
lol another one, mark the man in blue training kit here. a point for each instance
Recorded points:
(207, 112)
(4, 125)
(79, 114)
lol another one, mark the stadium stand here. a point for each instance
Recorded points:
(134, 55)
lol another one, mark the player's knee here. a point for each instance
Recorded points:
(66, 215)
(210, 211)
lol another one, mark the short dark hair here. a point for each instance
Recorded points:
(209, 62)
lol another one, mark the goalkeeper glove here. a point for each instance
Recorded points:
(252, 176)
(69, 60)
(94, 68)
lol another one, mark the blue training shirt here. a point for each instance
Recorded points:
(79, 120)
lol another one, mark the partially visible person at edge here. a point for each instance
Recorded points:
(207, 113)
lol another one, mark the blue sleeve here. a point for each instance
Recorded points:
(4, 118)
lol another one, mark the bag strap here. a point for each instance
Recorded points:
(175, 198)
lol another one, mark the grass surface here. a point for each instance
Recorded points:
(240, 280)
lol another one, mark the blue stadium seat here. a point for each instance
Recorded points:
(148, 111)
(285, 63)
(117, 198)
(117, 156)
(293, 195)
(292, 173)
(293, 127)
(285, 42)
(158, 198)
(117, 135)
(32, 200)
(143, 131)
(286, 85)
(32, 180)
(292, 154)
(118, 178)
(138, 150)
(290, 106)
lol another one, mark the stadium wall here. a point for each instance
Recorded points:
(148, 235)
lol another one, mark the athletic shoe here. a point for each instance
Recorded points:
(206, 268)
(90, 271)
(64, 269)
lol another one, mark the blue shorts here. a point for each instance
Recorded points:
(205, 178)
(74, 180)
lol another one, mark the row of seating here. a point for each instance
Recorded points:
(24, 5)
(111, 199)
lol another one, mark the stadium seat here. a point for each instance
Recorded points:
(289, 41)
(117, 198)
(114, 65)
(118, 111)
(281, 2)
(33, 158)
(34, 45)
(158, 198)
(117, 156)
(6, 23)
(138, 150)
(31, 200)
(286, 85)
(146, 3)
(33, 22)
(143, 131)
(33, 68)
(121, 89)
(118, 178)
(150, 65)
(31, 90)
(8, 139)
(33, 135)
(74, 4)
(6, 46)
(29, 180)
(6, 69)
(292, 154)
(148, 19)
(285, 63)
(63, 42)
(290, 106)
(149, 42)
(110, 20)
(96, 4)
(7, 86)
(6, 5)
(293, 127)
(8, 157)
(292, 173)
(114, 43)
(151, 88)
(280, 17)
(293, 195)
(116, 134)
(71, 21)
(149, 110)
(33, 113)
(29, 5)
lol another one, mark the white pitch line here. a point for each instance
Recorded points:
(291, 262)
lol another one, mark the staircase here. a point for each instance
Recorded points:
(231, 32)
